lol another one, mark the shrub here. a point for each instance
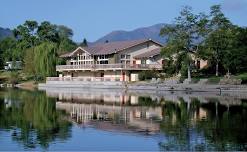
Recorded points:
(243, 77)
(147, 75)
(214, 80)
(39, 78)
(184, 71)
(14, 77)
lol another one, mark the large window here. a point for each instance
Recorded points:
(102, 59)
(125, 58)
(84, 58)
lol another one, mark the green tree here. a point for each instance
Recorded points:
(27, 32)
(234, 58)
(41, 60)
(29, 64)
(169, 67)
(48, 32)
(7, 47)
(26, 38)
(45, 58)
(183, 37)
(37, 45)
(64, 32)
(84, 43)
(217, 40)
(65, 43)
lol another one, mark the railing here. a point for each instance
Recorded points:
(97, 79)
(109, 67)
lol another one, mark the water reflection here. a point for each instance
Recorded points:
(32, 118)
(173, 120)
(187, 121)
(115, 118)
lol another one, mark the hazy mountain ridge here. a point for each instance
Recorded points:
(139, 33)
(5, 32)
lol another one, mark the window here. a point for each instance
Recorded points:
(128, 57)
(103, 62)
(102, 57)
(122, 56)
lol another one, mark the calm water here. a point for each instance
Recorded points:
(68, 119)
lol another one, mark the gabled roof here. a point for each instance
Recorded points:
(110, 47)
(148, 54)
(73, 53)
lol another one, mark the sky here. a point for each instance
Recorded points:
(92, 19)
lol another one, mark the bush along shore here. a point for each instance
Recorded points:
(16, 78)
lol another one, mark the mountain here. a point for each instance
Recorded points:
(139, 33)
(5, 32)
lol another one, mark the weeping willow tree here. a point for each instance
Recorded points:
(41, 60)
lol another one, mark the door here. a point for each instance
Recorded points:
(123, 76)
(134, 63)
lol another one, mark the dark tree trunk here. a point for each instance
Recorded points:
(189, 75)
(217, 69)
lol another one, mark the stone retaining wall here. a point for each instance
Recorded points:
(145, 86)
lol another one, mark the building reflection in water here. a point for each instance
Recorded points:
(120, 117)
(111, 111)
(134, 111)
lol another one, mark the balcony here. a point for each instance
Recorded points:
(96, 67)
(85, 79)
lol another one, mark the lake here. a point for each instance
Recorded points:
(83, 119)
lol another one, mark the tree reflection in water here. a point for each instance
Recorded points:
(32, 119)
(203, 126)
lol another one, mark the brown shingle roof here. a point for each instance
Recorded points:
(65, 55)
(110, 47)
(148, 54)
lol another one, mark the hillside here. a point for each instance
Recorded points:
(5, 32)
(139, 33)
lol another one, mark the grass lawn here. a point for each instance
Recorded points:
(13, 76)
(216, 80)
(4, 76)
(211, 79)
(243, 77)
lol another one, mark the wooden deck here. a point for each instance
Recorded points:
(88, 79)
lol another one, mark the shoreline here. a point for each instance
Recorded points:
(147, 86)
